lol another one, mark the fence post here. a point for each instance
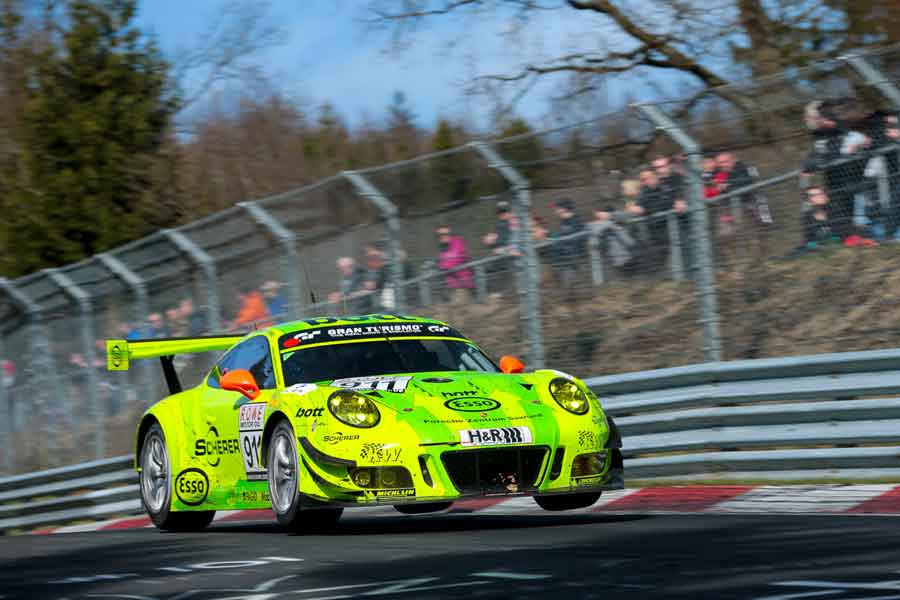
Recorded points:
(389, 213)
(529, 293)
(481, 291)
(428, 273)
(142, 302)
(702, 251)
(874, 77)
(290, 260)
(88, 346)
(39, 349)
(202, 259)
(6, 414)
(676, 256)
(596, 257)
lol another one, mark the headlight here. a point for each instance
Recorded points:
(354, 409)
(568, 395)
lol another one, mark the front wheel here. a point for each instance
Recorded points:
(156, 487)
(284, 485)
(567, 501)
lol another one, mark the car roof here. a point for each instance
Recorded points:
(326, 321)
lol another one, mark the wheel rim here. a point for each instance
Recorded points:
(155, 474)
(282, 473)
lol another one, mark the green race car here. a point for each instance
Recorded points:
(316, 415)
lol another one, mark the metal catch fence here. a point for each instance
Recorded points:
(744, 222)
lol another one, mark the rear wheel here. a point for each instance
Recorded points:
(156, 487)
(420, 509)
(284, 485)
(567, 501)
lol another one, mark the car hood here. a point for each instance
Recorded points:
(458, 398)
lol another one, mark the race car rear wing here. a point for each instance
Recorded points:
(120, 353)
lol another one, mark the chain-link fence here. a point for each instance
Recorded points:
(747, 221)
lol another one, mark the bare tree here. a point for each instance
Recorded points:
(709, 43)
(226, 51)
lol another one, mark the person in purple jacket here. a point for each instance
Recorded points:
(453, 253)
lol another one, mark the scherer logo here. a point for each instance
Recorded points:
(338, 437)
(472, 404)
(213, 448)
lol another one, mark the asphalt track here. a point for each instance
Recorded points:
(473, 556)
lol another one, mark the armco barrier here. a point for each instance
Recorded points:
(799, 418)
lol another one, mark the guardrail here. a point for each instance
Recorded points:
(827, 416)
(798, 418)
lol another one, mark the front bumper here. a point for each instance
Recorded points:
(442, 472)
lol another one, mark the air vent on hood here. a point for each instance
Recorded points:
(437, 380)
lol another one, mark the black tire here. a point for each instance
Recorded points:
(283, 474)
(421, 509)
(567, 501)
(156, 487)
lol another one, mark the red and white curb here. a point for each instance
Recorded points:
(722, 499)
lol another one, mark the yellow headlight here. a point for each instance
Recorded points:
(354, 409)
(568, 395)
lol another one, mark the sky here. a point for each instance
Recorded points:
(329, 53)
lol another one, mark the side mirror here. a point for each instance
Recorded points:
(240, 380)
(511, 364)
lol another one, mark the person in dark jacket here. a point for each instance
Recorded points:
(650, 202)
(835, 137)
(568, 253)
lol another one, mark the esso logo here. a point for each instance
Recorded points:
(472, 404)
(192, 486)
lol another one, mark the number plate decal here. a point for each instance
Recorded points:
(251, 419)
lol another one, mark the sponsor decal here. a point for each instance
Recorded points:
(373, 330)
(380, 453)
(115, 355)
(191, 486)
(253, 496)
(328, 320)
(483, 419)
(329, 328)
(309, 412)
(213, 448)
(399, 493)
(593, 480)
(384, 383)
(337, 437)
(251, 421)
(472, 404)
(587, 439)
(499, 436)
(459, 394)
(307, 336)
(301, 389)
(252, 416)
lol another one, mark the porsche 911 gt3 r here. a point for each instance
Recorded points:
(317, 415)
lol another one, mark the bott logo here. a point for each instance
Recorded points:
(191, 486)
(472, 404)
(309, 412)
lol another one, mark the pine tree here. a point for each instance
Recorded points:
(95, 120)
(448, 172)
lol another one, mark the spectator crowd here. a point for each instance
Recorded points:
(850, 195)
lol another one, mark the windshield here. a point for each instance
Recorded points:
(363, 359)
